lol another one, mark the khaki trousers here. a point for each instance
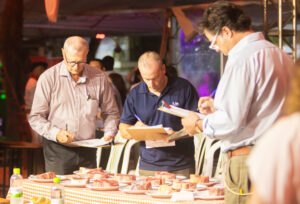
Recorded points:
(237, 180)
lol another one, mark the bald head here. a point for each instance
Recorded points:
(153, 72)
(75, 44)
(147, 59)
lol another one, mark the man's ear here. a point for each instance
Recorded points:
(227, 32)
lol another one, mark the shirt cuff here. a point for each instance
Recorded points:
(208, 130)
(53, 133)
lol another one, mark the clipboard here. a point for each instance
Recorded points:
(173, 110)
(154, 133)
(148, 133)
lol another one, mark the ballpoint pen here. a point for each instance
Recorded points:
(137, 117)
(213, 93)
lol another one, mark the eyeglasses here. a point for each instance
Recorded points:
(72, 63)
(213, 45)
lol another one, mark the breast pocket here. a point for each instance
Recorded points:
(92, 107)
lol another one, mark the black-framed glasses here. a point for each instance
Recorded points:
(72, 63)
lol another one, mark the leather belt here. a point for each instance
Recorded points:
(239, 151)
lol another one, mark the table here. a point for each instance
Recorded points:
(12, 157)
(86, 196)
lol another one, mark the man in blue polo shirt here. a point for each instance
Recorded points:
(142, 103)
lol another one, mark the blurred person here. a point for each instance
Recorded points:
(37, 69)
(97, 63)
(140, 109)
(65, 106)
(275, 175)
(119, 83)
(250, 94)
(108, 64)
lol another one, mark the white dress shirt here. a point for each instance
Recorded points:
(274, 163)
(250, 94)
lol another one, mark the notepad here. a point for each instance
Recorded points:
(173, 110)
(89, 143)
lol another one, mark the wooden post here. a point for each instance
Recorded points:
(165, 34)
(14, 62)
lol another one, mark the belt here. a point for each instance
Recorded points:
(239, 151)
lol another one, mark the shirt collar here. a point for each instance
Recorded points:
(244, 41)
(64, 72)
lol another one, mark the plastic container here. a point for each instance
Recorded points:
(57, 192)
(16, 187)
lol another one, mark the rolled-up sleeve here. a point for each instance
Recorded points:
(110, 112)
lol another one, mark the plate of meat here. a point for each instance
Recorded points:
(137, 187)
(104, 185)
(213, 193)
(76, 182)
(46, 177)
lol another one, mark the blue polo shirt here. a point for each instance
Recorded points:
(178, 92)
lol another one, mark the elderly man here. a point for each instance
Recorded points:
(142, 103)
(65, 106)
(250, 93)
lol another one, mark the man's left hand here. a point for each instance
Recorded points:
(108, 138)
(188, 123)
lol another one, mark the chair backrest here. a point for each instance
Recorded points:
(199, 140)
(116, 154)
(212, 161)
(126, 157)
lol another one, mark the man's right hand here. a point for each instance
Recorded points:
(206, 105)
(64, 136)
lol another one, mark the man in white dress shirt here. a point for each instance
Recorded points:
(249, 96)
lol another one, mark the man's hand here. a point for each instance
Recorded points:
(108, 138)
(206, 105)
(140, 124)
(189, 122)
(64, 136)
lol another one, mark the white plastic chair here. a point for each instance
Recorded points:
(126, 157)
(199, 140)
(116, 154)
(212, 160)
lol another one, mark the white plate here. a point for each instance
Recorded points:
(111, 188)
(122, 184)
(180, 177)
(69, 184)
(201, 187)
(130, 191)
(156, 194)
(32, 178)
(204, 195)
(210, 183)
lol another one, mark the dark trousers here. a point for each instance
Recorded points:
(64, 160)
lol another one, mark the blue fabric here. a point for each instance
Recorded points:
(144, 104)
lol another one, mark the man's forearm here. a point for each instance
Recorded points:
(123, 130)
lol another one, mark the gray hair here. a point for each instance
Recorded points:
(147, 57)
(76, 44)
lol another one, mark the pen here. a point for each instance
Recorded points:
(213, 93)
(137, 117)
(165, 104)
(66, 126)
